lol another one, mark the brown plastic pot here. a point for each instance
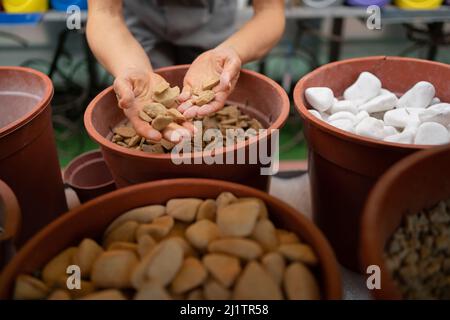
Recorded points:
(89, 176)
(343, 167)
(28, 159)
(419, 181)
(10, 220)
(71, 228)
(258, 95)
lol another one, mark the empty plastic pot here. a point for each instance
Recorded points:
(28, 159)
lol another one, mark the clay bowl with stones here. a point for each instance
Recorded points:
(10, 220)
(255, 94)
(343, 167)
(418, 182)
(78, 224)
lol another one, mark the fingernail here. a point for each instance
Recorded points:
(154, 135)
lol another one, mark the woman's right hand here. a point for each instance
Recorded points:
(134, 90)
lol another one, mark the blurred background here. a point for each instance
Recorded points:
(317, 32)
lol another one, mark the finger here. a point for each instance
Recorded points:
(143, 128)
(186, 93)
(175, 133)
(191, 112)
(124, 91)
(213, 106)
(184, 106)
(190, 126)
(230, 71)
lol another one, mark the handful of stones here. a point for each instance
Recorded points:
(417, 117)
(194, 249)
(418, 254)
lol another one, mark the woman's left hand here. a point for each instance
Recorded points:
(224, 63)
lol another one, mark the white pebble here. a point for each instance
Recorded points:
(371, 127)
(419, 96)
(320, 98)
(342, 115)
(343, 124)
(435, 100)
(315, 113)
(389, 131)
(344, 105)
(361, 116)
(404, 137)
(383, 102)
(403, 117)
(366, 87)
(439, 113)
(385, 91)
(432, 133)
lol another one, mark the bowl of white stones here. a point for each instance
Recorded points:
(360, 117)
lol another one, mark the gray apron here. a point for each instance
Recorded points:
(163, 27)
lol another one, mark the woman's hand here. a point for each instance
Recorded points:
(134, 90)
(223, 63)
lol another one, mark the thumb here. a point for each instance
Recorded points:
(230, 71)
(185, 93)
(124, 92)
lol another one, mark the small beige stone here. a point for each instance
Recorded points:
(237, 219)
(201, 233)
(29, 288)
(158, 229)
(161, 122)
(275, 265)
(196, 294)
(142, 215)
(155, 109)
(176, 115)
(110, 294)
(119, 245)
(56, 268)
(207, 210)
(59, 294)
(239, 247)
(300, 283)
(166, 144)
(204, 97)
(191, 275)
(188, 250)
(224, 199)
(152, 290)
(134, 141)
(160, 87)
(255, 283)
(161, 264)
(287, 237)
(126, 132)
(183, 209)
(299, 252)
(112, 269)
(86, 287)
(265, 233)
(84, 257)
(263, 212)
(211, 83)
(223, 268)
(213, 290)
(168, 97)
(153, 148)
(145, 244)
(144, 116)
(124, 233)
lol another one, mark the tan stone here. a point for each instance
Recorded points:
(56, 268)
(201, 233)
(237, 219)
(29, 288)
(142, 215)
(239, 247)
(299, 252)
(255, 283)
(207, 210)
(112, 269)
(300, 283)
(223, 268)
(183, 209)
(84, 257)
(191, 275)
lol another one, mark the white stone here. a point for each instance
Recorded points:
(431, 133)
(389, 131)
(366, 87)
(344, 105)
(383, 102)
(385, 91)
(316, 114)
(419, 96)
(439, 113)
(361, 116)
(342, 115)
(371, 127)
(435, 100)
(403, 137)
(403, 117)
(320, 98)
(343, 124)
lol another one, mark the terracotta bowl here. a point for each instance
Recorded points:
(415, 183)
(256, 94)
(343, 167)
(89, 176)
(10, 220)
(79, 223)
